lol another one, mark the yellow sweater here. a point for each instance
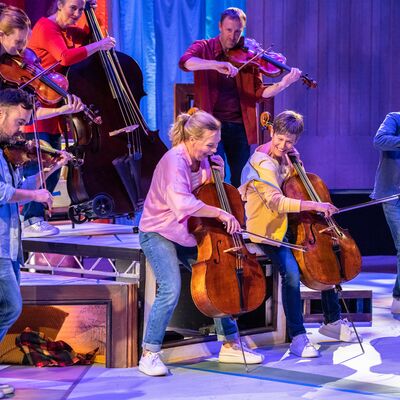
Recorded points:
(266, 216)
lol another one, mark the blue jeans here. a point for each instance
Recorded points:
(235, 146)
(10, 294)
(392, 214)
(33, 210)
(164, 257)
(282, 258)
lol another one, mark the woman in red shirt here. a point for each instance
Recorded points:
(57, 38)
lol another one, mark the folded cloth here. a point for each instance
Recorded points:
(44, 352)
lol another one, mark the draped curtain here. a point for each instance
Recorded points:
(156, 33)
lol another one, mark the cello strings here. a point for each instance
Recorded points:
(314, 195)
(224, 202)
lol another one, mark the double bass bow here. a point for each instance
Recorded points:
(226, 279)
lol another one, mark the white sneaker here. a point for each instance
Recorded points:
(339, 330)
(151, 364)
(6, 389)
(395, 309)
(302, 347)
(233, 355)
(39, 229)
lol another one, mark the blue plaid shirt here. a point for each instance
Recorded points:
(10, 230)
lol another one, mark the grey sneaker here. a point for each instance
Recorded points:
(340, 330)
(39, 229)
(395, 308)
(302, 347)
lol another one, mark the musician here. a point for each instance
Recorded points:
(164, 236)
(227, 94)
(387, 183)
(15, 111)
(56, 38)
(266, 210)
(15, 28)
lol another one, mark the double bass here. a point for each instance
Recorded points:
(121, 154)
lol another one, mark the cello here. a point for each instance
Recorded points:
(332, 255)
(121, 154)
(226, 279)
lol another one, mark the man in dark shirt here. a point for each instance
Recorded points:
(230, 95)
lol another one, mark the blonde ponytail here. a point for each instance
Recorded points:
(192, 125)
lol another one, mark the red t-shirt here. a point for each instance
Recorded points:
(52, 44)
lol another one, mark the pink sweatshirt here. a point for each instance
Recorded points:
(170, 201)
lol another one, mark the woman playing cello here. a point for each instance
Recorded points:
(266, 211)
(53, 39)
(164, 236)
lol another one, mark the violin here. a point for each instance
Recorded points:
(22, 152)
(50, 87)
(270, 63)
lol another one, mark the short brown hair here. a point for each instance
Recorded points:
(13, 18)
(15, 97)
(233, 13)
(289, 122)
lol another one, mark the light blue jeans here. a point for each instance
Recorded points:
(164, 257)
(283, 258)
(10, 294)
(392, 214)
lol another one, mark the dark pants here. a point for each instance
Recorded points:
(234, 145)
(34, 209)
(283, 258)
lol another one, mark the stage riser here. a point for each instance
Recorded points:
(359, 303)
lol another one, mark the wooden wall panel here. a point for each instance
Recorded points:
(351, 47)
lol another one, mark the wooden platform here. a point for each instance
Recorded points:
(358, 301)
(117, 300)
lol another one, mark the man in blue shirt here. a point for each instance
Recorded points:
(387, 183)
(15, 111)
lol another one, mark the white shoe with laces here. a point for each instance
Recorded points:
(39, 229)
(339, 330)
(233, 355)
(151, 364)
(302, 347)
(395, 309)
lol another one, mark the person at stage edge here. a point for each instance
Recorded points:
(15, 28)
(164, 236)
(266, 210)
(228, 94)
(387, 183)
(55, 38)
(15, 111)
